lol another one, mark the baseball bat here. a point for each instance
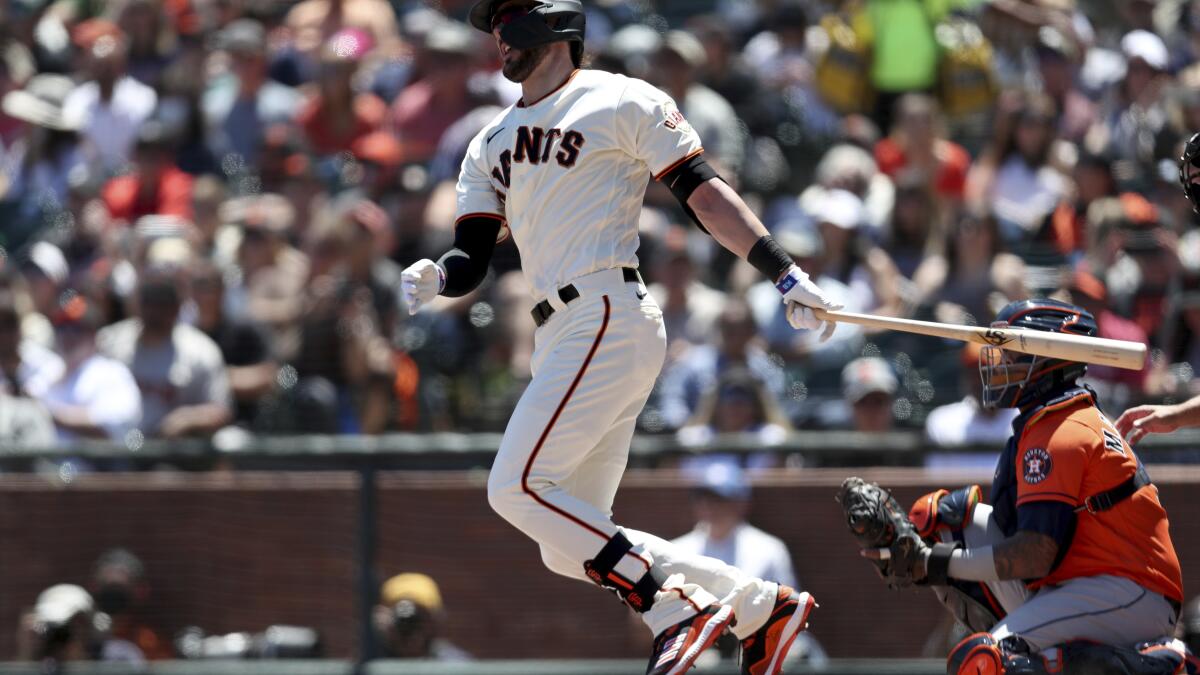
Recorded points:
(1118, 353)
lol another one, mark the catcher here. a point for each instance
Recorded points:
(1072, 565)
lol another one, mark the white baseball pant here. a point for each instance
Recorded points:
(1107, 609)
(566, 446)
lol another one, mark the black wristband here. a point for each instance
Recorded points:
(937, 567)
(768, 257)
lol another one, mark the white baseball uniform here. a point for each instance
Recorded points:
(567, 174)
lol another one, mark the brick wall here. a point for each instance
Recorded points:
(240, 551)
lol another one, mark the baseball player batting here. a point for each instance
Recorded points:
(1071, 569)
(564, 172)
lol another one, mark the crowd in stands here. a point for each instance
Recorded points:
(205, 204)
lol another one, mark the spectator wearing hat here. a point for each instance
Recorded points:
(179, 370)
(699, 370)
(1136, 109)
(737, 403)
(155, 186)
(59, 628)
(273, 271)
(851, 168)
(721, 500)
(381, 155)
(109, 106)
(409, 620)
(677, 64)
(427, 107)
(240, 105)
(36, 166)
(344, 364)
(967, 422)
(807, 249)
(721, 503)
(97, 396)
(367, 261)
(1058, 61)
(335, 115)
(121, 590)
(839, 215)
(869, 389)
(45, 272)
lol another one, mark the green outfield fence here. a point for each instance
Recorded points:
(614, 667)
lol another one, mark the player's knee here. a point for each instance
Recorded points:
(981, 654)
(977, 654)
(504, 494)
(558, 563)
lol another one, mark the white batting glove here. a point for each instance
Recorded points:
(420, 283)
(800, 295)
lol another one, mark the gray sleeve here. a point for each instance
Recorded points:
(210, 383)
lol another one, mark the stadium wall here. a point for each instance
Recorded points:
(233, 551)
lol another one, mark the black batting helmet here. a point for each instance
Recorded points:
(1013, 380)
(533, 24)
(1189, 171)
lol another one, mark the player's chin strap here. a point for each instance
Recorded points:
(638, 595)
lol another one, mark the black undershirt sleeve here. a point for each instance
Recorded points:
(466, 264)
(1053, 519)
(683, 180)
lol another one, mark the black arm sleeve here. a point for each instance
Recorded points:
(466, 264)
(683, 180)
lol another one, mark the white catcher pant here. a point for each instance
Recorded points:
(567, 443)
(1107, 609)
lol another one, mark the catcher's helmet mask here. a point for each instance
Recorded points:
(1014, 380)
(1189, 171)
(543, 22)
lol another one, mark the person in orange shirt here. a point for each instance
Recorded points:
(1074, 518)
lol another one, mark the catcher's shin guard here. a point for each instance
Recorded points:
(638, 595)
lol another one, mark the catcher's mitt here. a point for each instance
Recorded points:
(878, 522)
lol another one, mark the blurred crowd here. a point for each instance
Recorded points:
(205, 204)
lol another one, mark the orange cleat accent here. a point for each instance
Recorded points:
(676, 648)
(764, 651)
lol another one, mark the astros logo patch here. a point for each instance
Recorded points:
(1035, 465)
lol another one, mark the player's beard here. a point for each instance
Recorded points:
(524, 63)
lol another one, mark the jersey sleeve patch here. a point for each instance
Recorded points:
(1036, 465)
(674, 119)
